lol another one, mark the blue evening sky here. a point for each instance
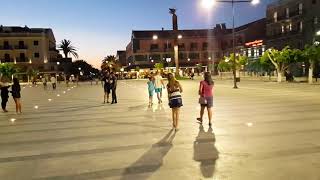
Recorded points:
(101, 27)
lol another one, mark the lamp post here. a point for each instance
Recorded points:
(209, 4)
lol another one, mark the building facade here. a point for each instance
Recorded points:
(29, 48)
(293, 23)
(195, 47)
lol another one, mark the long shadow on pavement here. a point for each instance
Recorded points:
(205, 151)
(151, 160)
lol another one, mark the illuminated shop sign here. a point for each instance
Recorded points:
(254, 43)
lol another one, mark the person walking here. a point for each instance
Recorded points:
(15, 91)
(174, 89)
(206, 97)
(4, 86)
(44, 82)
(151, 89)
(107, 87)
(158, 82)
(53, 82)
(114, 83)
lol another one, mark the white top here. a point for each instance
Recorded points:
(53, 80)
(158, 81)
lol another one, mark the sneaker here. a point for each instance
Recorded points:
(199, 120)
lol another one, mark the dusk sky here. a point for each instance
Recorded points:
(101, 27)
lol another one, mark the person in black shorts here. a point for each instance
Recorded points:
(107, 87)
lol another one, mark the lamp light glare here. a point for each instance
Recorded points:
(207, 4)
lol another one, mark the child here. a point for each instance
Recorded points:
(151, 89)
(16, 94)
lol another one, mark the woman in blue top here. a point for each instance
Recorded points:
(151, 89)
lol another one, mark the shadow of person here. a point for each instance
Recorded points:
(150, 161)
(205, 151)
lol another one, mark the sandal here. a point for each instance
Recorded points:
(200, 120)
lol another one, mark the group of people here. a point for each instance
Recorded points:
(174, 90)
(110, 86)
(15, 91)
(53, 81)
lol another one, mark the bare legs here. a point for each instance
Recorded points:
(209, 114)
(150, 101)
(175, 118)
(18, 105)
(106, 96)
(159, 96)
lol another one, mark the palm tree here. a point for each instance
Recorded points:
(109, 63)
(67, 48)
(7, 70)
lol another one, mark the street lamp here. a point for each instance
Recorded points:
(208, 4)
(179, 36)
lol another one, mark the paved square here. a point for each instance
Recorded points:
(261, 131)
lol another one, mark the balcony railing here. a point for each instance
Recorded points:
(6, 60)
(19, 59)
(21, 47)
(6, 47)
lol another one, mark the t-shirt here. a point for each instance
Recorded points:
(53, 80)
(150, 86)
(207, 89)
(158, 81)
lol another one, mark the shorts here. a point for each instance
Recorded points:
(158, 90)
(209, 101)
(151, 93)
(175, 101)
(107, 89)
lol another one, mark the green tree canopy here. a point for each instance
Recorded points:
(8, 69)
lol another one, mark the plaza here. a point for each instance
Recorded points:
(263, 131)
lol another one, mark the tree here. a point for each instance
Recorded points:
(8, 69)
(32, 73)
(224, 66)
(67, 48)
(85, 68)
(110, 63)
(312, 54)
(281, 59)
(158, 66)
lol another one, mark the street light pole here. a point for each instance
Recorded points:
(209, 4)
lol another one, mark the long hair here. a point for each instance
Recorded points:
(171, 80)
(15, 81)
(208, 78)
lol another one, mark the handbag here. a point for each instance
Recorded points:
(202, 100)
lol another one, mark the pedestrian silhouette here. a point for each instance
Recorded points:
(205, 151)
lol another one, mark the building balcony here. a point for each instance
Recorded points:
(7, 60)
(19, 59)
(24, 47)
(6, 48)
(155, 50)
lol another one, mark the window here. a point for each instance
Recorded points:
(314, 1)
(36, 55)
(194, 56)
(249, 52)
(205, 46)
(282, 28)
(154, 46)
(6, 44)
(300, 8)
(287, 12)
(275, 16)
(7, 57)
(290, 27)
(181, 46)
(140, 58)
(301, 26)
(167, 46)
(315, 20)
(194, 45)
(35, 43)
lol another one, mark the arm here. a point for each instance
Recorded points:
(200, 89)
(180, 87)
